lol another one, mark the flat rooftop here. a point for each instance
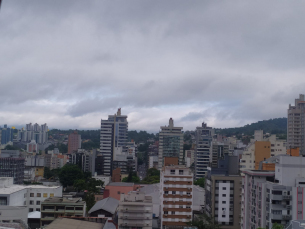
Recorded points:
(17, 188)
(120, 184)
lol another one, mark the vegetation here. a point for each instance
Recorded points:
(10, 147)
(69, 174)
(200, 182)
(141, 136)
(63, 148)
(276, 126)
(152, 177)
(132, 177)
(204, 222)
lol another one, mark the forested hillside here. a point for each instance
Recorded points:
(276, 126)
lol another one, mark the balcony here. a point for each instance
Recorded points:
(286, 217)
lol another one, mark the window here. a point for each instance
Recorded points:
(31, 194)
(119, 192)
(180, 192)
(38, 209)
(51, 194)
(37, 202)
(224, 188)
(31, 202)
(180, 172)
(165, 212)
(173, 213)
(165, 192)
(224, 195)
(188, 193)
(38, 194)
(173, 192)
(31, 209)
(45, 195)
(24, 195)
(223, 202)
(24, 203)
(172, 171)
(223, 216)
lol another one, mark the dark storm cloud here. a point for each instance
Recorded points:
(228, 63)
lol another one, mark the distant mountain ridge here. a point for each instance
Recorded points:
(276, 126)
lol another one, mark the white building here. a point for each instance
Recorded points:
(176, 192)
(10, 214)
(21, 195)
(135, 211)
(105, 179)
(189, 157)
(153, 162)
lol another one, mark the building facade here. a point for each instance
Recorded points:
(170, 143)
(222, 192)
(12, 167)
(204, 136)
(260, 149)
(176, 191)
(135, 211)
(113, 138)
(74, 142)
(55, 207)
(295, 125)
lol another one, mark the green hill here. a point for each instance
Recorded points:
(276, 126)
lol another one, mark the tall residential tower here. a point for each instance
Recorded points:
(113, 139)
(204, 136)
(170, 143)
(295, 125)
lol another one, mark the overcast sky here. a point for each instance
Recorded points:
(72, 63)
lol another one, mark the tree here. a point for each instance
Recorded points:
(277, 226)
(200, 182)
(69, 174)
(80, 185)
(47, 173)
(152, 177)
(205, 222)
(90, 200)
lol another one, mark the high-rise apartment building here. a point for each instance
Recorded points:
(218, 151)
(204, 136)
(135, 211)
(176, 191)
(74, 142)
(295, 125)
(170, 143)
(33, 132)
(6, 134)
(277, 196)
(222, 192)
(113, 139)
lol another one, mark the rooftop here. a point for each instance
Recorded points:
(65, 223)
(108, 204)
(120, 184)
(34, 215)
(63, 200)
(17, 188)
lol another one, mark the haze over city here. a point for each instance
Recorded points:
(72, 63)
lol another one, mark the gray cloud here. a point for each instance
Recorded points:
(70, 63)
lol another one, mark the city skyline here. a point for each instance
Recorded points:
(72, 63)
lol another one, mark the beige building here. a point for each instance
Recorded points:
(55, 207)
(170, 143)
(261, 148)
(295, 125)
(135, 211)
(176, 193)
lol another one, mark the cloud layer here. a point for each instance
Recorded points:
(71, 63)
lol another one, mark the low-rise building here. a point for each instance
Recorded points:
(104, 208)
(22, 195)
(55, 207)
(135, 211)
